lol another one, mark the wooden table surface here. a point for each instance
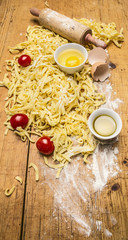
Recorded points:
(33, 212)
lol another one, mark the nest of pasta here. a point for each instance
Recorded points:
(57, 105)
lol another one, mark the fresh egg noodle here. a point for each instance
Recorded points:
(105, 32)
(57, 104)
(8, 192)
(36, 170)
(19, 179)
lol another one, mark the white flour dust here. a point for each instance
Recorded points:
(107, 89)
(107, 233)
(113, 220)
(78, 182)
(105, 167)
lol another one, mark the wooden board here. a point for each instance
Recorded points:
(33, 211)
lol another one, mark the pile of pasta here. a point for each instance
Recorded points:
(105, 32)
(57, 104)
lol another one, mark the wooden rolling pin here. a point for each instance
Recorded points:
(66, 27)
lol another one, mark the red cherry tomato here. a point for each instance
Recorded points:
(19, 120)
(24, 60)
(45, 145)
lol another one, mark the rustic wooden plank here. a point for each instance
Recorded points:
(13, 152)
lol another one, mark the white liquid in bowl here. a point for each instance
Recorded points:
(104, 125)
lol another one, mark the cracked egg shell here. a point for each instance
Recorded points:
(97, 54)
(100, 71)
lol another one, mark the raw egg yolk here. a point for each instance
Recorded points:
(71, 58)
(72, 61)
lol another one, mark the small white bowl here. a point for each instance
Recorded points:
(71, 70)
(110, 113)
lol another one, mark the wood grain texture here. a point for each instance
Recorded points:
(32, 211)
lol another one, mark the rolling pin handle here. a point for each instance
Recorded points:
(35, 12)
(95, 41)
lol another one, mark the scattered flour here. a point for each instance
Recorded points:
(98, 225)
(107, 233)
(104, 165)
(107, 89)
(78, 182)
(113, 220)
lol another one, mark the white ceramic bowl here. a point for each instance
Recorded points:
(112, 114)
(71, 70)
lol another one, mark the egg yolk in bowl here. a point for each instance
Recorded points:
(70, 58)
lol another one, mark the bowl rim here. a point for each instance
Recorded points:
(65, 46)
(109, 112)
